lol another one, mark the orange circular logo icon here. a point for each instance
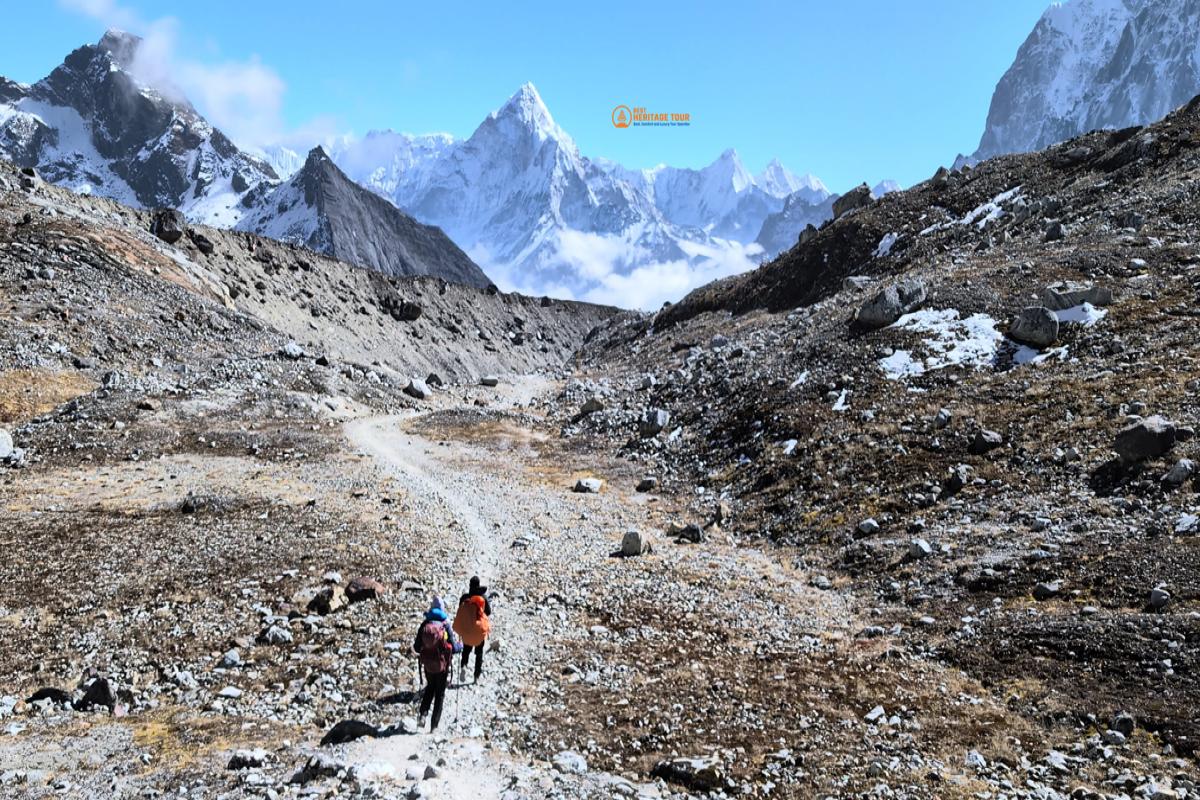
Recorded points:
(622, 117)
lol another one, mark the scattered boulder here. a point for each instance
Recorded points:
(919, 549)
(364, 588)
(1146, 438)
(891, 303)
(635, 543)
(647, 484)
(6, 445)
(347, 731)
(167, 224)
(691, 533)
(58, 697)
(275, 635)
(588, 485)
(653, 422)
(857, 197)
(568, 761)
(292, 350)
(1068, 294)
(98, 693)
(697, 774)
(328, 600)
(202, 242)
(1046, 590)
(867, 527)
(984, 442)
(489, 380)
(856, 283)
(1178, 475)
(417, 388)
(591, 406)
(1159, 597)
(1055, 231)
(433, 379)
(1123, 723)
(248, 759)
(1035, 326)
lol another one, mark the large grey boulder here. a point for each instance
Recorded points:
(1035, 326)
(417, 388)
(1144, 439)
(892, 303)
(857, 197)
(1068, 294)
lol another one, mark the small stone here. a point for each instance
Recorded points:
(570, 762)
(1036, 326)
(230, 693)
(867, 527)
(588, 485)
(1159, 597)
(489, 380)
(1046, 590)
(984, 442)
(635, 543)
(918, 549)
(231, 659)
(248, 759)
(647, 484)
(363, 588)
(653, 422)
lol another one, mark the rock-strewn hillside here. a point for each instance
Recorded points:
(103, 258)
(972, 405)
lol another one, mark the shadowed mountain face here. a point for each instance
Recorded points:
(322, 209)
(93, 125)
(97, 126)
(1091, 64)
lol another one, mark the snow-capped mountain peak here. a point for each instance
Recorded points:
(1090, 64)
(120, 45)
(778, 181)
(95, 126)
(527, 110)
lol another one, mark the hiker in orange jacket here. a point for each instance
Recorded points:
(473, 625)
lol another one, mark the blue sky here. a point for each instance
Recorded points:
(850, 91)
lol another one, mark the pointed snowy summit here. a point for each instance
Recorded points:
(527, 109)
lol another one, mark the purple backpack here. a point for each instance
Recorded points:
(435, 647)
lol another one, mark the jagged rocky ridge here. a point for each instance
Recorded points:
(1091, 64)
(322, 209)
(97, 125)
(518, 194)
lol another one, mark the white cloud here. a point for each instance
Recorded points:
(611, 270)
(242, 98)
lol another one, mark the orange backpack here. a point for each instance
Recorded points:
(471, 623)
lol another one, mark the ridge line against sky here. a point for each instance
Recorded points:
(848, 92)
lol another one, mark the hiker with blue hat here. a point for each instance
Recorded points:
(434, 646)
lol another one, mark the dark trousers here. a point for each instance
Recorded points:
(478, 657)
(435, 693)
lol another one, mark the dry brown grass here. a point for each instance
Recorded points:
(28, 393)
